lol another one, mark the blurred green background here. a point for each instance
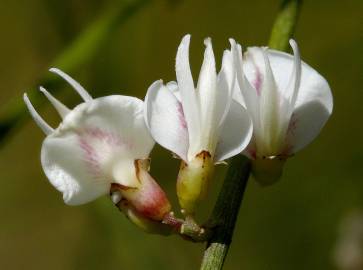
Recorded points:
(293, 224)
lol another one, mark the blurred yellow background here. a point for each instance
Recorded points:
(293, 224)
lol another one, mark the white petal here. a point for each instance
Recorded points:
(70, 171)
(96, 144)
(248, 96)
(271, 126)
(237, 95)
(187, 90)
(210, 110)
(59, 106)
(173, 87)
(236, 133)
(312, 109)
(80, 90)
(37, 118)
(165, 119)
(270, 111)
(226, 83)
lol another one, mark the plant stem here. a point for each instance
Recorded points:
(72, 58)
(285, 24)
(225, 213)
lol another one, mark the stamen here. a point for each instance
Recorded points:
(37, 118)
(80, 90)
(60, 107)
(295, 77)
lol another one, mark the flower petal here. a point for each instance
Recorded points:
(187, 90)
(165, 119)
(236, 133)
(225, 87)
(312, 109)
(210, 111)
(245, 94)
(96, 145)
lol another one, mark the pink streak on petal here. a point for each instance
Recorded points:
(90, 157)
(290, 134)
(292, 125)
(92, 138)
(181, 116)
(257, 82)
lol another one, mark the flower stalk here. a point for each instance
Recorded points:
(224, 216)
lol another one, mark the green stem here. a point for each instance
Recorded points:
(81, 50)
(284, 25)
(225, 213)
(226, 210)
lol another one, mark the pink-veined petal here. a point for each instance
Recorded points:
(165, 118)
(96, 145)
(312, 102)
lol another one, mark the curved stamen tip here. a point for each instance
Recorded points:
(295, 77)
(59, 106)
(36, 117)
(80, 90)
(295, 48)
(292, 43)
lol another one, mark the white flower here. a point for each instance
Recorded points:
(289, 102)
(202, 125)
(188, 120)
(102, 142)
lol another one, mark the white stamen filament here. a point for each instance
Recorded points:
(60, 107)
(80, 90)
(295, 77)
(37, 118)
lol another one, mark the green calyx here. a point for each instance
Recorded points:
(268, 170)
(193, 181)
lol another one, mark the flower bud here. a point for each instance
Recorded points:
(148, 199)
(144, 223)
(193, 180)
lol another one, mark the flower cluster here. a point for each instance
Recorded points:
(264, 104)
